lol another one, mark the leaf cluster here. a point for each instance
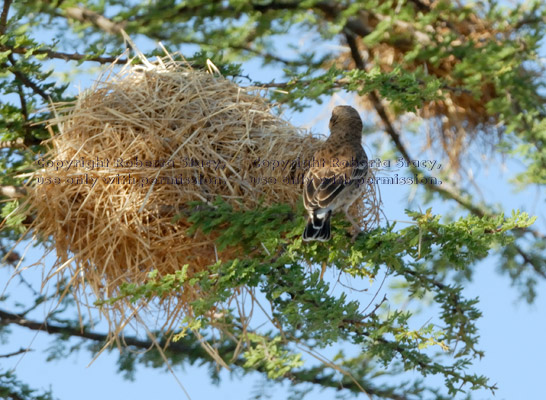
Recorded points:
(305, 311)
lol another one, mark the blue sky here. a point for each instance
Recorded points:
(511, 331)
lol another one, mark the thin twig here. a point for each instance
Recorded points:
(15, 353)
(25, 80)
(64, 56)
(12, 192)
(85, 15)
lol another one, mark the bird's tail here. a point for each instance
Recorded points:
(318, 228)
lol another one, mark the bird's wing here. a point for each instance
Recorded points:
(324, 184)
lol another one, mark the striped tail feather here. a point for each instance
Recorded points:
(318, 228)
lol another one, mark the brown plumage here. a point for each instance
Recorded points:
(337, 175)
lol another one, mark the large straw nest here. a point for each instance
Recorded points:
(115, 223)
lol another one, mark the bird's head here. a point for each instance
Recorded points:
(345, 116)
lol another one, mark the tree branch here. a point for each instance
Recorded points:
(4, 16)
(64, 56)
(188, 346)
(15, 353)
(266, 56)
(13, 192)
(24, 108)
(21, 143)
(20, 320)
(84, 15)
(359, 62)
(340, 83)
(25, 80)
(535, 264)
(13, 144)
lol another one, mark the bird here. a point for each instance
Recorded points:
(336, 176)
